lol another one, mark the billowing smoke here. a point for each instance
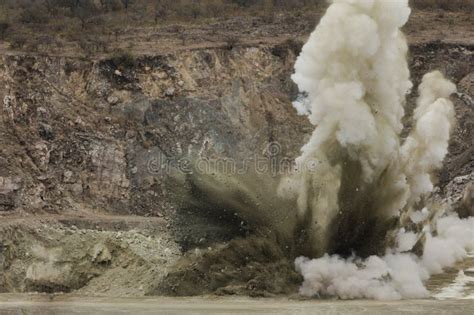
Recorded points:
(367, 187)
(397, 274)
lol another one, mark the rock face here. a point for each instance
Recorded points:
(80, 134)
(8, 192)
(77, 134)
(465, 206)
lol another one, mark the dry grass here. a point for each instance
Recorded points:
(97, 26)
(65, 22)
(447, 5)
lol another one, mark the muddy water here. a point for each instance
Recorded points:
(79, 305)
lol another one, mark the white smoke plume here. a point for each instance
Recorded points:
(354, 70)
(393, 276)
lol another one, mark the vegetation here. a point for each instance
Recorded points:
(122, 59)
(95, 25)
(3, 28)
(447, 5)
(23, 22)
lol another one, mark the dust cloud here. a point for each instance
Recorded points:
(365, 206)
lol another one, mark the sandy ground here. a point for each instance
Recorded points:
(41, 304)
(450, 299)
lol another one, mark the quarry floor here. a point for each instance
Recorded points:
(28, 304)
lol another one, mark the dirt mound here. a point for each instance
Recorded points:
(250, 266)
(51, 257)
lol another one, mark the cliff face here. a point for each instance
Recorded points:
(81, 135)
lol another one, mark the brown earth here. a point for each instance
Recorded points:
(424, 26)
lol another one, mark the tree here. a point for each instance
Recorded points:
(3, 29)
(50, 5)
(126, 3)
(86, 14)
(34, 14)
(245, 3)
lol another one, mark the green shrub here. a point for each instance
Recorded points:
(34, 15)
(18, 41)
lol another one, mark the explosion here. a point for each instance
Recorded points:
(368, 194)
